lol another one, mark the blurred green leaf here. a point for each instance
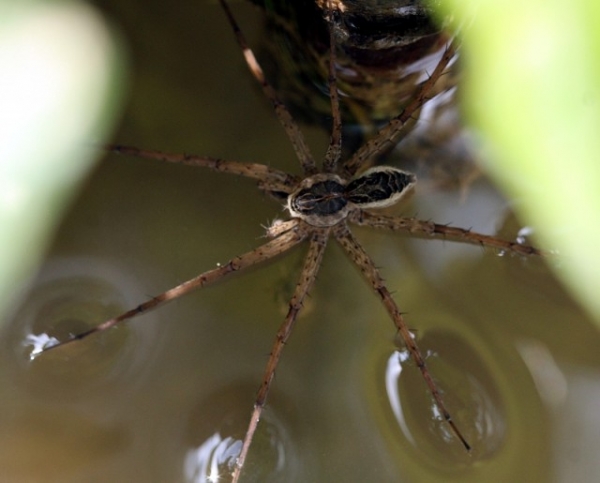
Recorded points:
(57, 95)
(533, 90)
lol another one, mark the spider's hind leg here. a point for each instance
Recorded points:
(318, 242)
(367, 267)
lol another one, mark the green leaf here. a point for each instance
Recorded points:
(533, 90)
(58, 96)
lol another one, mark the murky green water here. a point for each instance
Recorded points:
(518, 363)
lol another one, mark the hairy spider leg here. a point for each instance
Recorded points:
(283, 115)
(312, 262)
(334, 151)
(269, 250)
(361, 258)
(438, 231)
(391, 132)
(270, 179)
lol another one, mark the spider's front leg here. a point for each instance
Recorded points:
(391, 132)
(433, 230)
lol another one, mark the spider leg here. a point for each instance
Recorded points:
(435, 230)
(263, 253)
(279, 226)
(392, 131)
(312, 263)
(270, 179)
(358, 255)
(283, 115)
(334, 150)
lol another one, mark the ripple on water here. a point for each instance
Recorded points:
(214, 440)
(490, 397)
(213, 459)
(69, 296)
(469, 393)
(484, 429)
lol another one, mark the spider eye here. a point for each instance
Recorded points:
(379, 187)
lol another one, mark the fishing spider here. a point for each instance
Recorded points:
(322, 204)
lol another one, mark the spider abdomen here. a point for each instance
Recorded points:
(379, 187)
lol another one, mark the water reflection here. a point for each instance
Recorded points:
(38, 342)
(212, 459)
(69, 296)
(465, 385)
(524, 235)
(216, 427)
(548, 377)
(392, 379)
